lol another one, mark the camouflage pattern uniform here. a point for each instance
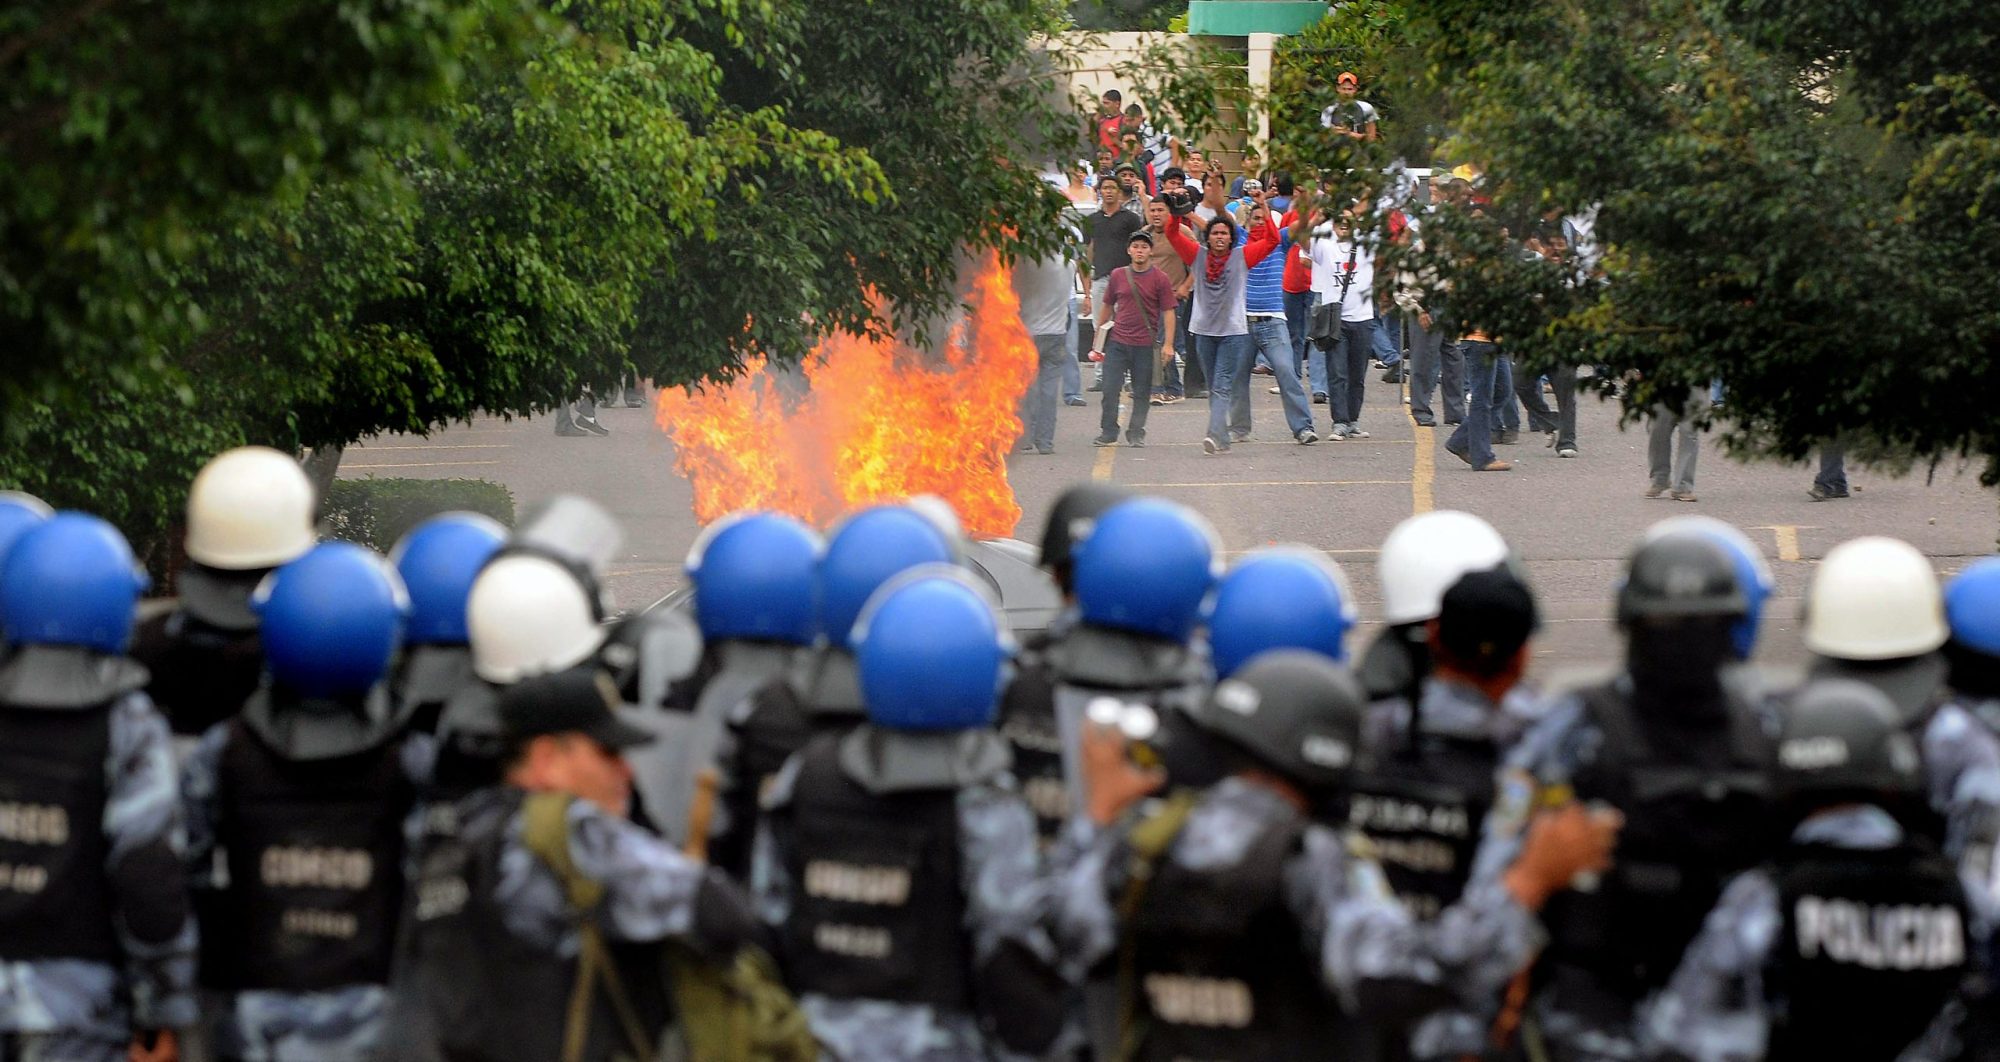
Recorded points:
(1006, 900)
(73, 1009)
(268, 1026)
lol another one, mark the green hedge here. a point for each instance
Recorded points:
(377, 512)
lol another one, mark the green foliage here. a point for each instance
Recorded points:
(379, 512)
(491, 208)
(1368, 38)
(1796, 196)
(1128, 14)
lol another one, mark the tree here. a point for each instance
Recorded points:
(659, 187)
(1795, 197)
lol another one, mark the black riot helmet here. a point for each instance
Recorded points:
(1842, 740)
(1076, 510)
(1684, 575)
(1294, 712)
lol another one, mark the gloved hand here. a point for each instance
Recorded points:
(1562, 843)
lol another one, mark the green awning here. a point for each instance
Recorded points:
(1237, 18)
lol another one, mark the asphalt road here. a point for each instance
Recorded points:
(1572, 521)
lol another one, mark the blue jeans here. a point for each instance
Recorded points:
(1038, 406)
(1224, 360)
(1072, 377)
(1435, 359)
(1389, 340)
(1298, 315)
(1506, 415)
(1119, 360)
(1832, 467)
(1474, 435)
(1170, 374)
(1273, 340)
(1347, 372)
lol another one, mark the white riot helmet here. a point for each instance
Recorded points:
(1425, 554)
(529, 615)
(1874, 598)
(249, 508)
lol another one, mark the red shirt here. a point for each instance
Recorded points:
(1139, 322)
(1298, 265)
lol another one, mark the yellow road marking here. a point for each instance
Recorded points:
(1787, 536)
(1423, 469)
(1286, 483)
(347, 466)
(1107, 457)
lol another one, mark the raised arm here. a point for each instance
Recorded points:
(1263, 241)
(1184, 245)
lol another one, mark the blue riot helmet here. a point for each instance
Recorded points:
(930, 648)
(437, 562)
(1147, 567)
(1972, 607)
(1286, 597)
(753, 579)
(70, 579)
(1752, 570)
(866, 549)
(18, 513)
(332, 620)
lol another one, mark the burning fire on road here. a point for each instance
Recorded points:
(882, 422)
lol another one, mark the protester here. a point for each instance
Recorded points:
(1353, 116)
(1221, 330)
(1135, 322)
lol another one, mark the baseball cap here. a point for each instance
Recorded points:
(1487, 616)
(1140, 237)
(1347, 77)
(580, 700)
(1124, 166)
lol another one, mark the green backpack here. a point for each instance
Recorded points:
(734, 1011)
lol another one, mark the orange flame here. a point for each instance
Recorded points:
(880, 423)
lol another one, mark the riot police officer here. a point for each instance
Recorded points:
(1422, 557)
(437, 562)
(18, 513)
(1752, 571)
(1874, 614)
(539, 916)
(1028, 707)
(823, 694)
(752, 575)
(1852, 942)
(899, 866)
(1280, 597)
(249, 510)
(304, 797)
(1682, 755)
(96, 946)
(1142, 577)
(1233, 911)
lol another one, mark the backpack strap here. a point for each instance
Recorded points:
(545, 833)
(1149, 841)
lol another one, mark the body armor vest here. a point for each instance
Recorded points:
(1874, 943)
(1027, 719)
(1422, 807)
(201, 674)
(877, 907)
(315, 856)
(1218, 967)
(55, 897)
(487, 995)
(1692, 821)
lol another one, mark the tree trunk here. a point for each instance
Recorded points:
(322, 463)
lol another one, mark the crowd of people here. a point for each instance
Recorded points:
(449, 804)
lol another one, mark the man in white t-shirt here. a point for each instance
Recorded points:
(1343, 272)
(1352, 116)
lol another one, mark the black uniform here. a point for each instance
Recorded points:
(205, 656)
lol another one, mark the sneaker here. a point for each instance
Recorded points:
(1460, 454)
(1376, 363)
(1506, 438)
(1567, 451)
(1357, 433)
(591, 425)
(1045, 450)
(1210, 446)
(634, 403)
(570, 431)
(1096, 389)
(1424, 423)
(1655, 491)
(1495, 466)
(1819, 493)
(1552, 439)
(1105, 440)
(1260, 370)
(1074, 400)
(1319, 398)
(1393, 375)
(1159, 400)
(1138, 441)
(1239, 436)
(1275, 390)
(1683, 495)
(1168, 400)
(1306, 437)
(1197, 393)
